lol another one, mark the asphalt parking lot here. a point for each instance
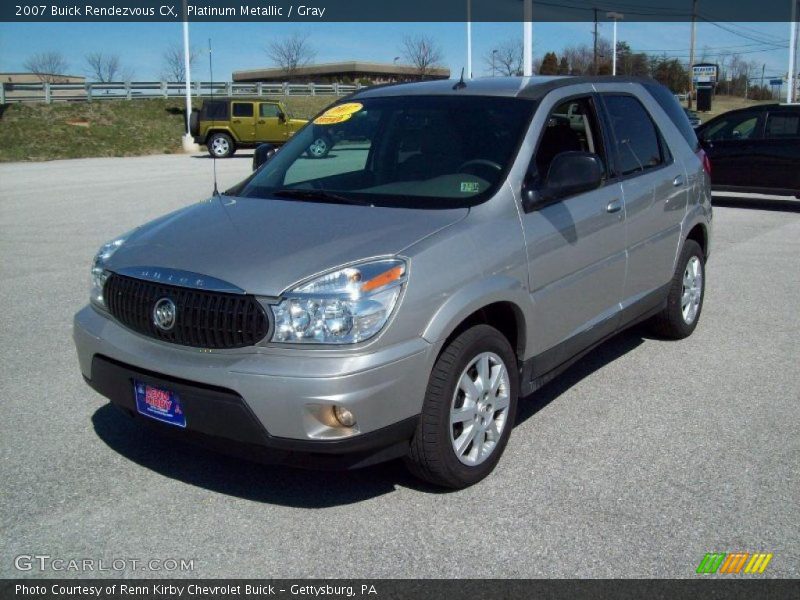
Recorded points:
(635, 463)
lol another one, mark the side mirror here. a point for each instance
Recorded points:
(262, 154)
(282, 117)
(570, 173)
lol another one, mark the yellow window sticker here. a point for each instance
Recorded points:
(338, 114)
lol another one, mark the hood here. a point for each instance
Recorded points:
(263, 246)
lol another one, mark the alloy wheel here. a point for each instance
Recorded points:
(692, 291)
(479, 408)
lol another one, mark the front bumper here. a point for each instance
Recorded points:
(260, 402)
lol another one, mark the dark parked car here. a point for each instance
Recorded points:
(755, 149)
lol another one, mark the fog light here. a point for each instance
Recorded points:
(345, 417)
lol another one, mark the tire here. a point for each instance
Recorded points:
(432, 455)
(680, 316)
(221, 145)
(320, 147)
(194, 123)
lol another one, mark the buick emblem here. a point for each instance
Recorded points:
(164, 313)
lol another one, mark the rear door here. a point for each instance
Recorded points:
(269, 126)
(778, 152)
(243, 121)
(654, 187)
(730, 142)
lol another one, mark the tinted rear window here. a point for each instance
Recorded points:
(674, 111)
(637, 139)
(783, 125)
(215, 110)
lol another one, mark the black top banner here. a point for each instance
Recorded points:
(389, 11)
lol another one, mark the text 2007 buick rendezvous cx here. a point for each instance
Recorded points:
(396, 298)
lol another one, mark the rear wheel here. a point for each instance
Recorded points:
(221, 145)
(685, 300)
(469, 410)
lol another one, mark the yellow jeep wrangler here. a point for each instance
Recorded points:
(226, 124)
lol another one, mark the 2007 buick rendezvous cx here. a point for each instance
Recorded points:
(397, 297)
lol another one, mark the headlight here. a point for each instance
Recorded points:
(343, 307)
(99, 273)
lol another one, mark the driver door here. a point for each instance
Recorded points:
(270, 127)
(576, 246)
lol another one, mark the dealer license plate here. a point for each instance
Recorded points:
(159, 404)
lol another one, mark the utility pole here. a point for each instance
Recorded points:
(594, 62)
(691, 52)
(763, 67)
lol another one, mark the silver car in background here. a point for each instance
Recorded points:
(459, 247)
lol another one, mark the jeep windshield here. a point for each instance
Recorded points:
(404, 151)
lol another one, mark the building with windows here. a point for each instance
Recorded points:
(342, 72)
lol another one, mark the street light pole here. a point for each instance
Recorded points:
(614, 16)
(691, 53)
(188, 141)
(792, 41)
(494, 53)
(527, 38)
(469, 39)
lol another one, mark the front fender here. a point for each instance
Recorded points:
(471, 298)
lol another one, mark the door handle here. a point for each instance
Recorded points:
(678, 181)
(236, 121)
(261, 122)
(614, 206)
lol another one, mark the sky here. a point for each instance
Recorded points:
(140, 46)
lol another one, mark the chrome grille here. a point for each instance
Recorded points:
(204, 319)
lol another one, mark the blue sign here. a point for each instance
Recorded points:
(776, 81)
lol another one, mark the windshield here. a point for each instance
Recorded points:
(407, 151)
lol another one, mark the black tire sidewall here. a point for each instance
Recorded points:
(478, 339)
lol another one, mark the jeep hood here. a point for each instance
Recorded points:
(264, 246)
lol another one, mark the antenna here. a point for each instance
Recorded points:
(211, 76)
(461, 83)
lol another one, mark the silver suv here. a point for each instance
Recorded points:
(458, 247)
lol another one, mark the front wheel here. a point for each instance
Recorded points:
(469, 410)
(679, 317)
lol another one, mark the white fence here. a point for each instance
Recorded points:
(87, 92)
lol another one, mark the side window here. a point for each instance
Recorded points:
(571, 127)
(639, 145)
(268, 110)
(735, 127)
(242, 109)
(215, 110)
(783, 125)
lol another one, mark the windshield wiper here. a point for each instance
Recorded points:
(322, 195)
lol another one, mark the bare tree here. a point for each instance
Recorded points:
(580, 59)
(104, 67)
(174, 66)
(506, 59)
(291, 53)
(422, 52)
(47, 66)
